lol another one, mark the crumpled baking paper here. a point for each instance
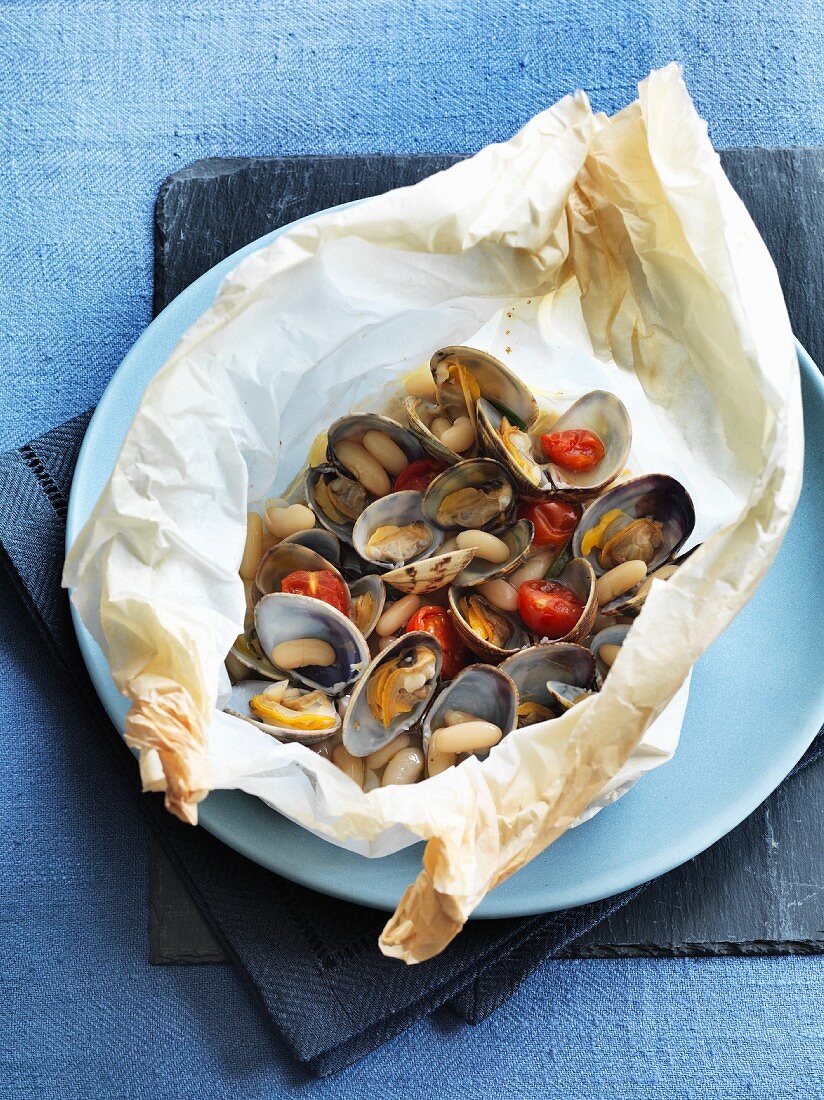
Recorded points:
(587, 251)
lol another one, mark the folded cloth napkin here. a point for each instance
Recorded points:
(312, 961)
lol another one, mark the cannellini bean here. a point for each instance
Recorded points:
(386, 451)
(384, 643)
(379, 757)
(235, 669)
(475, 736)
(397, 615)
(500, 594)
(303, 651)
(371, 780)
(455, 717)
(534, 568)
(619, 580)
(440, 425)
(460, 436)
(364, 466)
(421, 384)
(253, 550)
(289, 519)
(348, 764)
(405, 767)
(486, 546)
(437, 762)
(608, 653)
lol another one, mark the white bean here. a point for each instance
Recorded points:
(619, 580)
(386, 451)
(460, 436)
(440, 425)
(384, 643)
(371, 780)
(288, 520)
(500, 594)
(348, 764)
(379, 757)
(437, 762)
(474, 736)
(608, 652)
(421, 384)
(397, 615)
(253, 550)
(534, 568)
(364, 466)
(301, 652)
(405, 767)
(486, 546)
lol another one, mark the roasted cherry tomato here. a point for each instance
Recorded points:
(438, 622)
(319, 583)
(553, 520)
(548, 608)
(419, 475)
(578, 450)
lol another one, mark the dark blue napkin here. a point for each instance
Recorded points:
(312, 961)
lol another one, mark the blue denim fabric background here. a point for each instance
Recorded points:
(99, 101)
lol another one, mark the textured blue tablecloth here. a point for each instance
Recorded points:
(100, 101)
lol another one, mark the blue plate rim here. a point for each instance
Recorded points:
(611, 881)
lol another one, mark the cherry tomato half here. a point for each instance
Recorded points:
(553, 520)
(438, 622)
(548, 608)
(319, 583)
(579, 450)
(418, 475)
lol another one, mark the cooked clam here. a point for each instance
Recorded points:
(629, 604)
(490, 633)
(463, 375)
(475, 495)
(368, 599)
(393, 532)
(282, 617)
(337, 501)
(513, 447)
(393, 693)
(286, 712)
(604, 414)
(646, 519)
(479, 701)
(545, 675)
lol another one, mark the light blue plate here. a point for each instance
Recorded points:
(757, 698)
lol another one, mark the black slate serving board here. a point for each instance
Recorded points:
(761, 888)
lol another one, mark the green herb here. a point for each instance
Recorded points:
(512, 417)
(560, 563)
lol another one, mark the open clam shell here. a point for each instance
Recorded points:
(490, 379)
(630, 603)
(610, 635)
(606, 415)
(364, 731)
(579, 576)
(478, 494)
(244, 692)
(542, 672)
(518, 538)
(284, 617)
(401, 510)
(368, 598)
(291, 557)
(319, 481)
(482, 691)
(506, 633)
(653, 504)
(248, 651)
(498, 437)
(355, 425)
(418, 412)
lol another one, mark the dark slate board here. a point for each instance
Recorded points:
(761, 888)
